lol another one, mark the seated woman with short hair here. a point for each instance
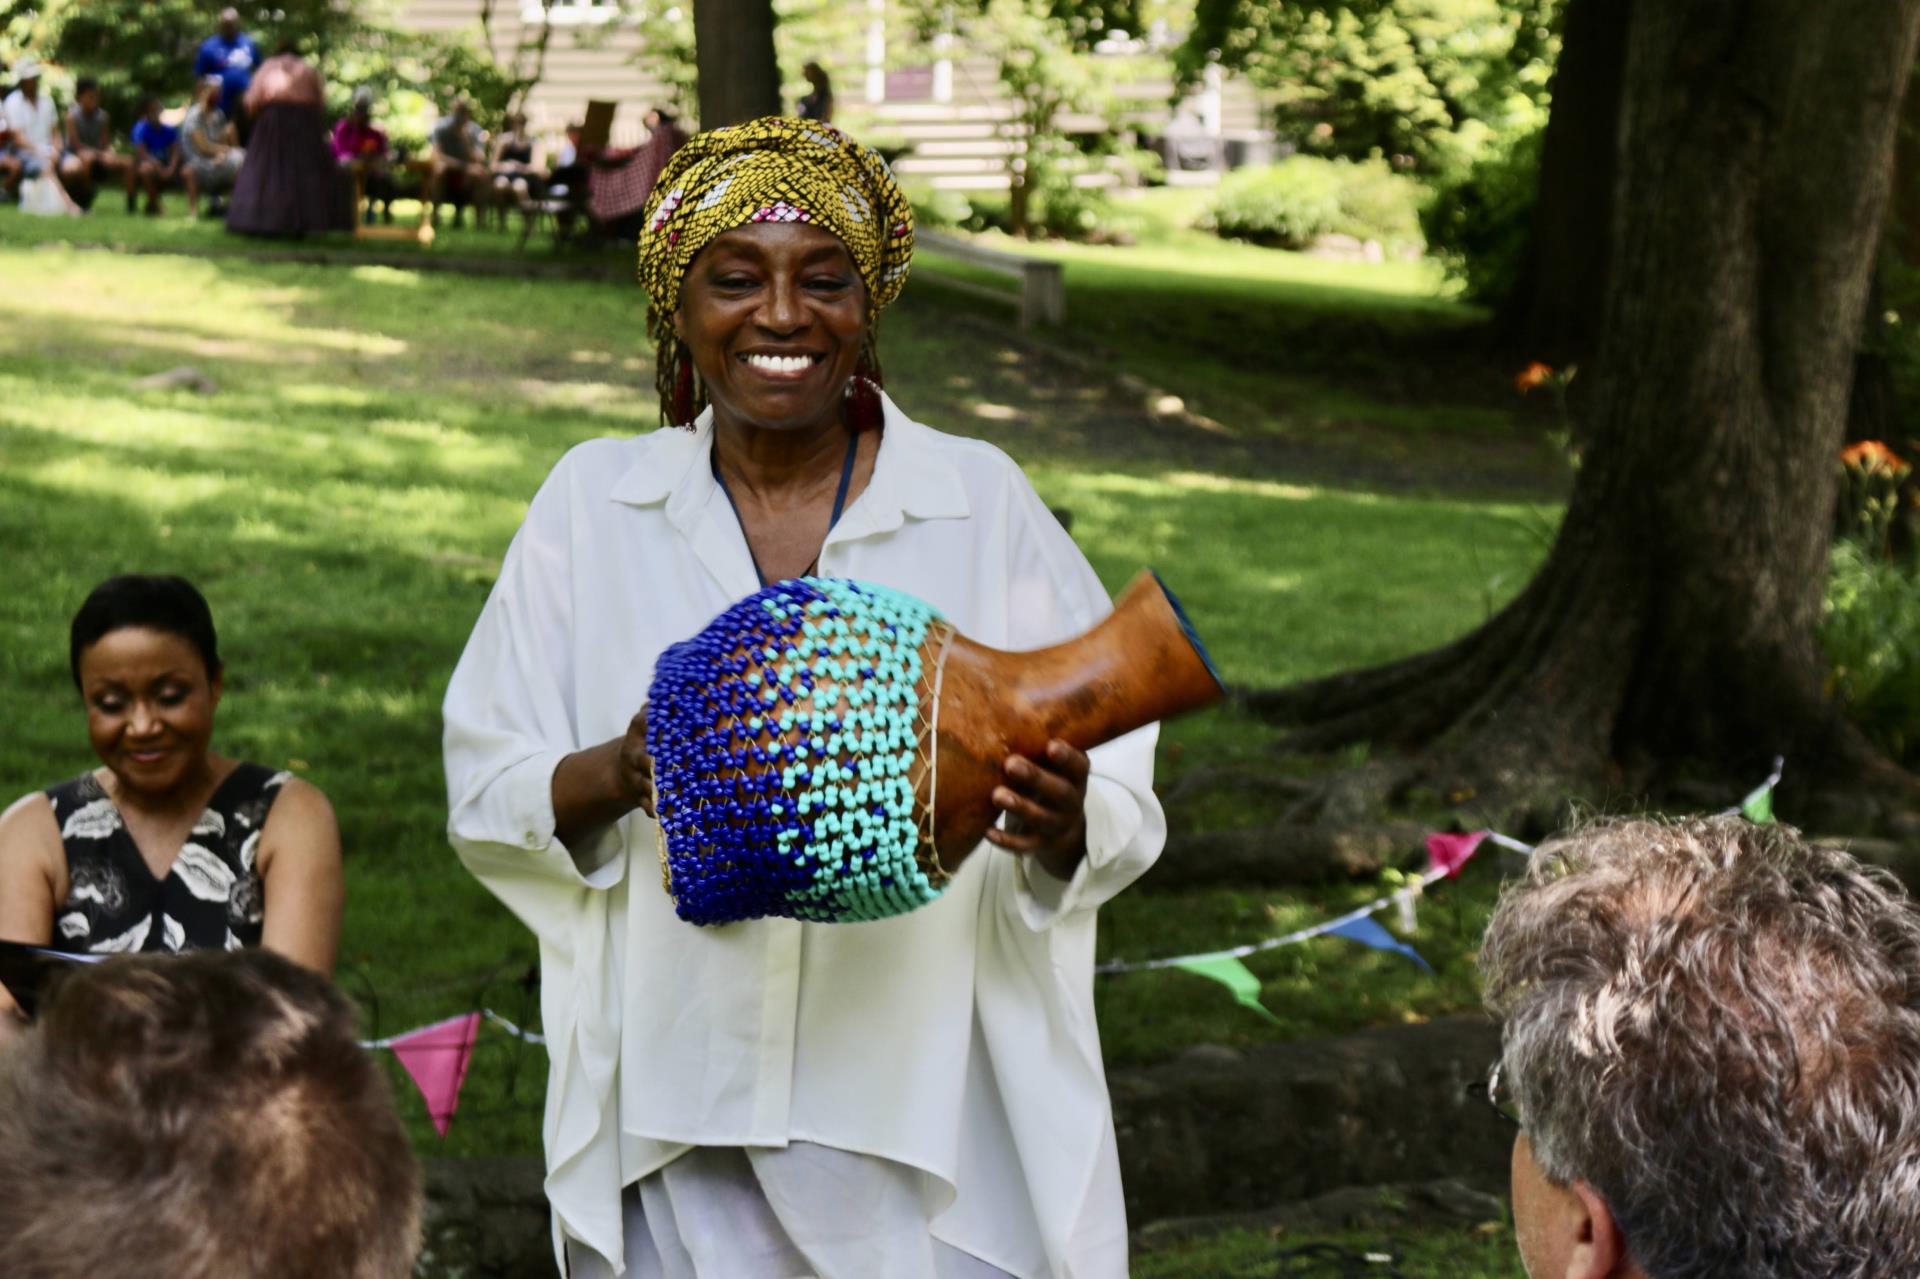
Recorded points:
(169, 846)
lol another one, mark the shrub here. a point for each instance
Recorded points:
(1478, 220)
(1870, 632)
(1290, 203)
(936, 209)
(1059, 210)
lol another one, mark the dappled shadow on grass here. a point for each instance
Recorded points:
(1039, 396)
(1290, 581)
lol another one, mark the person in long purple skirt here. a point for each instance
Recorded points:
(289, 185)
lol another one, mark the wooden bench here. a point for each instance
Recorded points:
(1043, 290)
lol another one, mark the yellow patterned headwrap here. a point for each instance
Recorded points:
(774, 169)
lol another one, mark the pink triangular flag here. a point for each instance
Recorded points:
(1449, 853)
(436, 1056)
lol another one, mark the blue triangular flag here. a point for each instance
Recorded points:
(1368, 931)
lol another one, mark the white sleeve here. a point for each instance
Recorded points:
(509, 721)
(1056, 596)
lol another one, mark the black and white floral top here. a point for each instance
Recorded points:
(211, 897)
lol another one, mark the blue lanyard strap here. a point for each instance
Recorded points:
(839, 502)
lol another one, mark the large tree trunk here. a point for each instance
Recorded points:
(1670, 634)
(1554, 310)
(739, 77)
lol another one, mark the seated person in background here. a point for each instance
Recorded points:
(91, 158)
(9, 162)
(569, 172)
(515, 178)
(210, 148)
(156, 153)
(459, 154)
(201, 1116)
(621, 181)
(360, 148)
(1711, 1049)
(168, 846)
(31, 119)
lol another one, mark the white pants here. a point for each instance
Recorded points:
(803, 1212)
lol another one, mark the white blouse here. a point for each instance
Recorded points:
(958, 1039)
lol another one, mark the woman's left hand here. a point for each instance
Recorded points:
(1046, 806)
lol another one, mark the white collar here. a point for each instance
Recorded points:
(908, 480)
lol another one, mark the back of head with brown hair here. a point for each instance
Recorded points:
(206, 1114)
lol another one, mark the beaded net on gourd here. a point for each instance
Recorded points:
(787, 740)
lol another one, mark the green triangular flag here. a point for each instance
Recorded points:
(1234, 975)
(1758, 807)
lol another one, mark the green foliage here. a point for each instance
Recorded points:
(138, 48)
(1086, 21)
(1480, 218)
(1290, 203)
(1870, 632)
(935, 208)
(1428, 80)
(1045, 76)
(666, 50)
(142, 47)
(1058, 92)
(414, 77)
(832, 33)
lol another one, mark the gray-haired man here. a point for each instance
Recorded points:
(1712, 1050)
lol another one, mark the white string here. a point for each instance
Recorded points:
(526, 1036)
(1380, 903)
(933, 753)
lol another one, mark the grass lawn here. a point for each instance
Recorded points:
(1483, 1252)
(110, 226)
(346, 494)
(1284, 344)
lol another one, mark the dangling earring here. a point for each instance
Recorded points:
(686, 390)
(865, 411)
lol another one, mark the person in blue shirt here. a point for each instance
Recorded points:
(156, 153)
(231, 54)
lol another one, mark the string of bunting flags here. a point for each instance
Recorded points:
(1447, 853)
(436, 1057)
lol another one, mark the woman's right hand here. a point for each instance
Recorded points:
(596, 787)
(633, 767)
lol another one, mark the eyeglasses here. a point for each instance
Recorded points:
(1493, 1092)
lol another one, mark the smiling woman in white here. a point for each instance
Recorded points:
(916, 1098)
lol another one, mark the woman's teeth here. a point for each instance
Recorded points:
(780, 363)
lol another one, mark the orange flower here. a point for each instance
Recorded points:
(1872, 455)
(1535, 374)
